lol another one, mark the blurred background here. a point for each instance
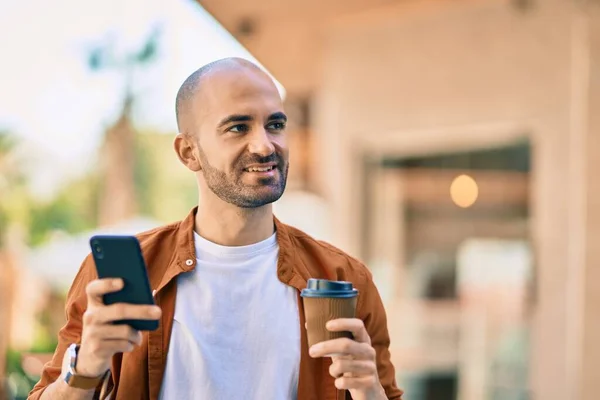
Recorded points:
(446, 143)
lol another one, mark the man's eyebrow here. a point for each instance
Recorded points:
(247, 118)
(235, 118)
(278, 116)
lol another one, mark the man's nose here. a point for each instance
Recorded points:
(260, 143)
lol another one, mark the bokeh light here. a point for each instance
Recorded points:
(464, 191)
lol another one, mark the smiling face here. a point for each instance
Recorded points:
(236, 128)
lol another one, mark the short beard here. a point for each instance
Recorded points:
(230, 189)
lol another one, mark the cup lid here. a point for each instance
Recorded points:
(326, 288)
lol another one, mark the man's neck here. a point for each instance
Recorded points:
(232, 226)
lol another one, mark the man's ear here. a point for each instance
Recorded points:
(184, 147)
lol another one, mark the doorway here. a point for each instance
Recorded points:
(447, 237)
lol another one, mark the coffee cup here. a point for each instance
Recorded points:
(323, 301)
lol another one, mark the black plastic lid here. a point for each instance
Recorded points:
(325, 288)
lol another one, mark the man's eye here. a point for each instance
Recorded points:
(242, 128)
(276, 126)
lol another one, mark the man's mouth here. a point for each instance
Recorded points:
(260, 169)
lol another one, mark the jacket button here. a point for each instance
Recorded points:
(189, 262)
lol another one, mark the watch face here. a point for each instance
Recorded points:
(73, 355)
(69, 376)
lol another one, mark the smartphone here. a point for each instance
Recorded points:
(121, 257)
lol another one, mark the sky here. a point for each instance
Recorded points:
(58, 108)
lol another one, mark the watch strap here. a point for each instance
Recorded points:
(78, 381)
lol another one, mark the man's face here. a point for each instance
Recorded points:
(241, 138)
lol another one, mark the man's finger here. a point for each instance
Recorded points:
(354, 367)
(361, 382)
(354, 325)
(120, 311)
(343, 346)
(111, 347)
(99, 287)
(118, 332)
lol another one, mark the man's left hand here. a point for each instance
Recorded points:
(354, 364)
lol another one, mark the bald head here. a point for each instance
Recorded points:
(232, 133)
(192, 86)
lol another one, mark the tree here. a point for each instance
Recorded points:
(118, 199)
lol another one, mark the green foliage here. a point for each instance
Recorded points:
(45, 342)
(103, 56)
(145, 169)
(166, 190)
(7, 142)
(45, 339)
(150, 49)
(13, 361)
(19, 382)
(73, 210)
(4, 220)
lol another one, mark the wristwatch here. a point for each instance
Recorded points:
(78, 381)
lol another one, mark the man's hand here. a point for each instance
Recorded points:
(354, 364)
(100, 338)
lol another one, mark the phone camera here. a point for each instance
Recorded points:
(97, 248)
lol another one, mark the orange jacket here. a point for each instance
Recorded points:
(169, 251)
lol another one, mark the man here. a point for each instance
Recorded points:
(226, 279)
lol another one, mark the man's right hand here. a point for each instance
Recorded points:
(100, 338)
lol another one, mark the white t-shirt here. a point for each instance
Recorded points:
(236, 331)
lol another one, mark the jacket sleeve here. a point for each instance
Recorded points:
(71, 332)
(370, 309)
